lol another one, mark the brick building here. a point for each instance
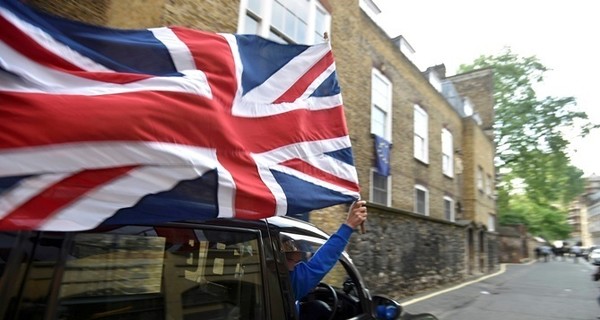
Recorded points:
(432, 220)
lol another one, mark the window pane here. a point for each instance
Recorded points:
(378, 120)
(421, 198)
(38, 278)
(419, 147)
(448, 210)
(278, 16)
(275, 37)
(255, 6)
(149, 273)
(320, 24)
(380, 191)
(251, 26)
(8, 241)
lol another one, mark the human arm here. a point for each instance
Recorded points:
(306, 275)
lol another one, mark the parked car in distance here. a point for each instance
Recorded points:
(585, 252)
(219, 269)
(594, 256)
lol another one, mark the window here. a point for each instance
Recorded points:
(447, 154)
(491, 222)
(370, 8)
(380, 188)
(421, 200)
(285, 21)
(421, 123)
(468, 107)
(480, 179)
(139, 272)
(340, 277)
(435, 81)
(449, 209)
(381, 105)
(488, 185)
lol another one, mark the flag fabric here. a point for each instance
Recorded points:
(100, 125)
(382, 155)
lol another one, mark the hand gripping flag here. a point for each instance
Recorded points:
(102, 125)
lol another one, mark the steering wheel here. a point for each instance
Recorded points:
(330, 291)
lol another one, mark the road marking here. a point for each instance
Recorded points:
(501, 271)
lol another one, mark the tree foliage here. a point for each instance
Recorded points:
(536, 178)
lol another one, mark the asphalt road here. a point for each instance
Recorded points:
(536, 291)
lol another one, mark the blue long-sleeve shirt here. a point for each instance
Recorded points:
(307, 275)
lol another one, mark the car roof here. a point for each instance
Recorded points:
(277, 223)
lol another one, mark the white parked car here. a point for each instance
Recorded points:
(594, 256)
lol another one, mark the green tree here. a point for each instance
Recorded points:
(530, 145)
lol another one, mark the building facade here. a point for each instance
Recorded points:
(590, 204)
(432, 218)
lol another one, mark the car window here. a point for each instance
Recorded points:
(347, 288)
(146, 273)
(7, 242)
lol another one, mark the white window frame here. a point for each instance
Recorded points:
(266, 29)
(381, 101)
(435, 81)
(452, 213)
(370, 8)
(419, 187)
(421, 134)
(447, 153)
(467, 107)
(372, 189)
(491, 222)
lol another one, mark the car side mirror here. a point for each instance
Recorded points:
(387, 309)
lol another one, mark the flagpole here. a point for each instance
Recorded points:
(362, 224)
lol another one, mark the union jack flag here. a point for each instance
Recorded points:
(101, 125)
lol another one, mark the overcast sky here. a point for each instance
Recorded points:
(563, 35)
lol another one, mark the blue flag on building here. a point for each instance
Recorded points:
(382, 155)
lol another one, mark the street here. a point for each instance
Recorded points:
(540, 290)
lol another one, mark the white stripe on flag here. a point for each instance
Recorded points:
(102, 202)
(288, 75)
(180, 53)
(73, 157)
(36, 78)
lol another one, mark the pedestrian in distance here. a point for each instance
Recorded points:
(538, 253)
(576, 252)
(546, 252)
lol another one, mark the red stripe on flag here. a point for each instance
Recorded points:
(34, 212)
(313, 171)
(33, 119)
(296, 126)
(295, 91)
(253, 199)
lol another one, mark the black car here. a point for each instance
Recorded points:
(220, 269)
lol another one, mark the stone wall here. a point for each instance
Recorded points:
(515, 244)
(402, 253)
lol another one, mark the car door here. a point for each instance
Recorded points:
(177, 271)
